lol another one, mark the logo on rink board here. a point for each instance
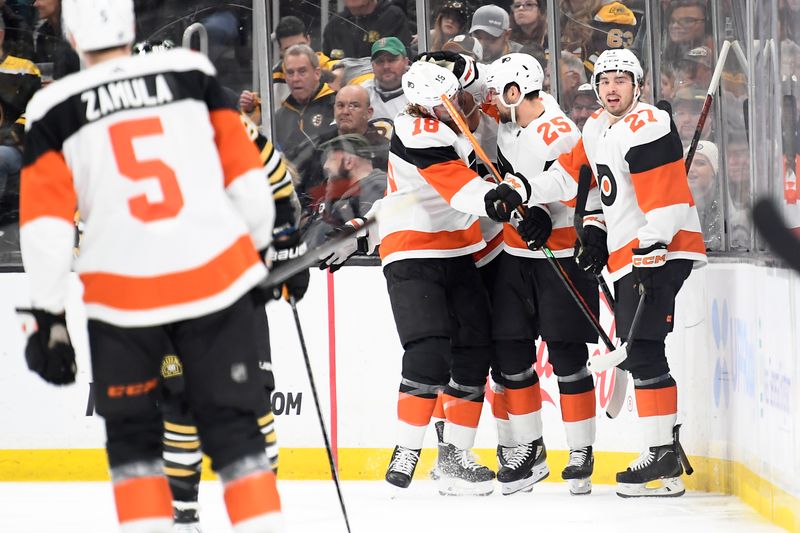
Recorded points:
(288, 403)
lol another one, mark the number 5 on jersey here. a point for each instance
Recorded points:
(122, 136)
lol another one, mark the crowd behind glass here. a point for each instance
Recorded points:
(336, 84)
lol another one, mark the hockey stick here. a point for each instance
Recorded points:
(334, 472)
(584, 181)
(712, 88)
(455, 114)
(772, 227)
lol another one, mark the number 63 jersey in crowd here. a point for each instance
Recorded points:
(169, 186)
(643, 189)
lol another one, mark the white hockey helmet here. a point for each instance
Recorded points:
(617, 60)
(99, 24)
(425, 83)
(522, 69)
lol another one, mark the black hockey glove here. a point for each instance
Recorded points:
(535, 227)
(647, 263)
(592, 254)
(358, 243)
(501, 201)
(452, 61)
(287, 246)
(49, 350)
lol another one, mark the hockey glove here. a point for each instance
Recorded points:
(647, 263)
(463, 67)
(287, 246)
(501, 201)
(49, 350)
(535, 227)
(358, 242)
(592, 254)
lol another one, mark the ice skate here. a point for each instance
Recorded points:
(527, 466)
(186, 518)
(461, 475)
(578, 472)
(402, 466)
(659, 464)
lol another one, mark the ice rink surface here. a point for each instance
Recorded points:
(312, 506)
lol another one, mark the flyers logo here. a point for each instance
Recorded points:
(608, 185)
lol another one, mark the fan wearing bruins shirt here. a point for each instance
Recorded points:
(440, 308)
(175, 208)
(528, 300)
(653, 240)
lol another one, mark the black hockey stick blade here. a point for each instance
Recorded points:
(665, 106)
(584, 181)
(771, 225)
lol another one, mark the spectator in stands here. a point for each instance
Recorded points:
(576, 25)
(305, 115)
(389, 63)
(353, 185)
(362, 22)
(19, 79)
(573, 75)
(529, 22)
(668, 82)
(491, 26)
(688, 26)
(451, 20)
(695, 68)
(686, 110)
(353, 114)
(49, 42)
(583, 105)
(465, 44)
(18, 33)
(705, 192)
(737, 166)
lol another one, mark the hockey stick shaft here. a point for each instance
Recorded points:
(455, 114)
(334, 471)
(712, 88)
(773, 229)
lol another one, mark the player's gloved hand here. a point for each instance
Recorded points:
(463, 67)
(287, 246)
(535, 227)
(49, 351)
(452, 61)
(501, 201)
(353, 239)
(647, 263)
(592, 254)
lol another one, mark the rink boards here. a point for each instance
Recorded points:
(734, 354)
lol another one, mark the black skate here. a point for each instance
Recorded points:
(434, 473)
(578, 472)
(504, 455)
(527, 466)
(660, 463)
(402, 466)
(461, 475)
(186, 518)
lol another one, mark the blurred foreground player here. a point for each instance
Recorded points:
(175, 208)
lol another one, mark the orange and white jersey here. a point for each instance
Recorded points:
(644, 193)
(429, 161)
(530, 151)
(169, 186)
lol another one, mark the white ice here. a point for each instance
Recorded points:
(312, 506)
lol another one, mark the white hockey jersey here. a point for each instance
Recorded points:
(170, 188)
(530, 151)
(432, 163)
(644, 193)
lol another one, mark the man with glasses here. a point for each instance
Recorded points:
(686, 28)
(492, 28)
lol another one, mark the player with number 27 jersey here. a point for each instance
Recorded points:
(143, 146)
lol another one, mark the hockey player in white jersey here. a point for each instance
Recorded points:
(175, 206)
(528, 299)
(653, 240)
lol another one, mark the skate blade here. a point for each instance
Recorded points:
(526, 484)
(580, 487)
(449, 486)
(661, 488)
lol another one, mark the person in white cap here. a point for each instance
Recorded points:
(705, 191)
(176, 210)
(492, 27)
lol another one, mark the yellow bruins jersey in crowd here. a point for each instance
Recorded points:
(169, 186)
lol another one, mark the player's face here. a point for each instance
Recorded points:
(511, 96)
(701, 178)
(616, 91)
(389, 70)
(287, 42)
(301, 77)
(493, 47)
